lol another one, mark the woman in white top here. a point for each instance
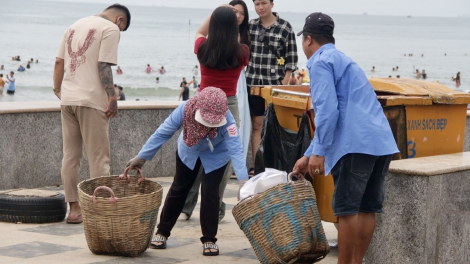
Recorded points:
(241, 11)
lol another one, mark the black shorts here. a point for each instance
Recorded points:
(257, 105)
(10, 92)
(359, 183)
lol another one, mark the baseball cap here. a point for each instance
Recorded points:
(212, 107)
(318, 23)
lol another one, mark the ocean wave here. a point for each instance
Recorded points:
(43, 93)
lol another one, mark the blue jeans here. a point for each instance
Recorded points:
(359, 183)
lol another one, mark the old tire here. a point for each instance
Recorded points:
(32, 208)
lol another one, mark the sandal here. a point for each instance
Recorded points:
(251, 172)
(158, 239)
(76, 220)
(210, 246)
(233, 176)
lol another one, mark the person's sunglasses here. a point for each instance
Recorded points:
(261, 34)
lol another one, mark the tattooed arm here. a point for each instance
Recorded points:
(58, 76)
(106, 76)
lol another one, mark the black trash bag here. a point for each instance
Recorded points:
(280, 148)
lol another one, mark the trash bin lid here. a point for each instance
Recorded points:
(438, 93)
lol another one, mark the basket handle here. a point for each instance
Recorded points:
(300, 176)
(112, 199)
(126, 176)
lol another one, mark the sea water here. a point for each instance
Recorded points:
(164, 36)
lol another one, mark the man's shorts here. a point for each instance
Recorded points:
(359, 183)
(10, 92)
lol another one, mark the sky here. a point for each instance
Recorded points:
(428, 8)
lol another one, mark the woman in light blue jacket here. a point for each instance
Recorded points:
(210, 138)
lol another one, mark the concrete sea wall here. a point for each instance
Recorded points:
(466, 143)
(31, 142)
(426, 215)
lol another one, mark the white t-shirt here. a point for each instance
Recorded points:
(85, 43)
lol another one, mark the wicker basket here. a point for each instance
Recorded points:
(119, 213)
(283, 224)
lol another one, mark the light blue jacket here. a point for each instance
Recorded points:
(348, 116)
(226, 145)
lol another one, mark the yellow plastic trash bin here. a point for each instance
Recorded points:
(426, 118)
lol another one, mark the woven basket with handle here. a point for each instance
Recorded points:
(283, 224)
(119, 213)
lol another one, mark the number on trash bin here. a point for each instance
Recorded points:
(412, 149)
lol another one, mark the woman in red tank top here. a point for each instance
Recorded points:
(220, 54)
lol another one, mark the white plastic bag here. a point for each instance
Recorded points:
(262, 182)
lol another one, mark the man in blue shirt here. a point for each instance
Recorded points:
(353, 139)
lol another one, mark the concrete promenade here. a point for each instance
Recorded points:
(65, 243)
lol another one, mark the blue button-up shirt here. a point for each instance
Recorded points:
(226, 145)
(348, 116)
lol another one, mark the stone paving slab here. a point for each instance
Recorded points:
(63, 243)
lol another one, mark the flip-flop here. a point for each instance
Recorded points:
(210, 246)
(75, 220)
(158, 239)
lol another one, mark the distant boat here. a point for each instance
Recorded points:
(365, 14)
(408, 16)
